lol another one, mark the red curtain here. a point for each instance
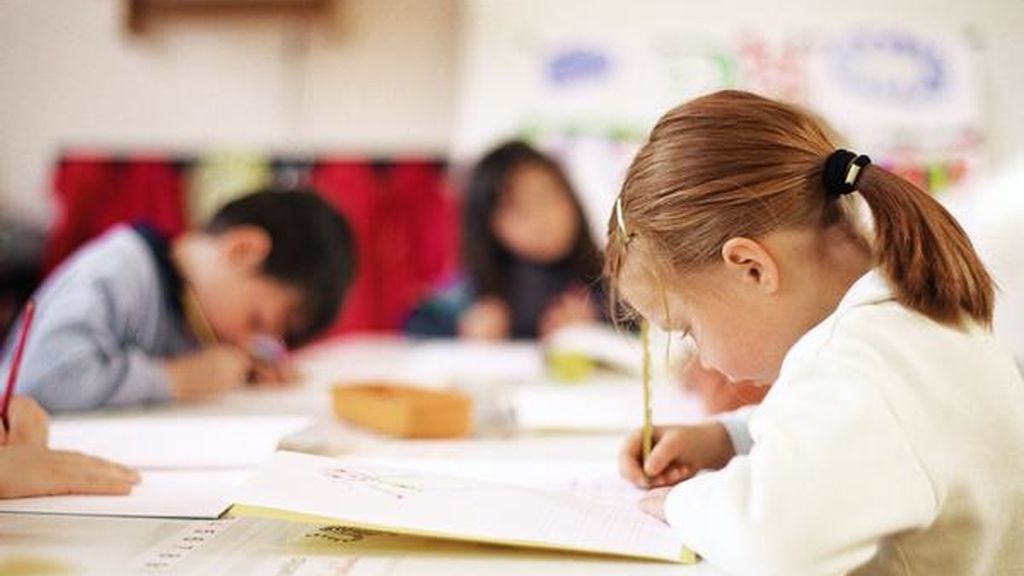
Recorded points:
(406, 224)
(94, 193)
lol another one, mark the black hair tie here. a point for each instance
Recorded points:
(842, 170)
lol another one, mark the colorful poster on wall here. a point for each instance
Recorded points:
(908, 98)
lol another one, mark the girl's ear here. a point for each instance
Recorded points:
(246, 246)
(751, 264)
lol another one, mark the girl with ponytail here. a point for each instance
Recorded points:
(892, 440)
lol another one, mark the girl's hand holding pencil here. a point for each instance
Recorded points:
(679, 453)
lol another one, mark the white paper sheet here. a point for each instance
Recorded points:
(594, 478)
(161, 441)
(603, 405)
(459, 508)
(447, 362)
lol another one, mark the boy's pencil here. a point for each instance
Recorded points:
(268, 349)
(12, 376)
(648, 429)
(196, 318)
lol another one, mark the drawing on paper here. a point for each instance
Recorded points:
(395, 486)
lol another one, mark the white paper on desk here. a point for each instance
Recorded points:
(606, 405)
(164, 441)
(161, 494)
(447, 362)
(404, 501)
(590, 477)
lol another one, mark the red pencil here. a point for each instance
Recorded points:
(12, 376)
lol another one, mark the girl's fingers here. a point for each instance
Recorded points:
(673, 475)
(629, 460)
(663, 453)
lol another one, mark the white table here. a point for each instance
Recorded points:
(104, 545)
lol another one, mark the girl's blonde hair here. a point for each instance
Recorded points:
(736, 164)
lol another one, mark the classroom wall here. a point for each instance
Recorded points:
(380, 80)
(493, 29)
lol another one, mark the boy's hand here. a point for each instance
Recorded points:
(274, 374)
(29, 424)
(487, 319)
(572, 307)
(210, 372)
(679, 453)
(36, 471)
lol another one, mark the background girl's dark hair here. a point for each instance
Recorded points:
(312, 249)
(486, 260)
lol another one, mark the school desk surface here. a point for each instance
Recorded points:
(45, 544)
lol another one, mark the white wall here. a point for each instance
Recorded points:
(492, 26)
(381, 82)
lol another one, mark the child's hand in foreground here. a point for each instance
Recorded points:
(29, 424)
(679, 452)
(29, 468)
(38, 471)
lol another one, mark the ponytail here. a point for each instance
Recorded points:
(924, 253)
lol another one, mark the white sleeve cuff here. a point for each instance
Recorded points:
(735, 423)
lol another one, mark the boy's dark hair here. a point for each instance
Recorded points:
(312, 249)
(487, 260)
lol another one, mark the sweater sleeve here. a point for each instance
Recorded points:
(830, 473)
(737, 425)
(83, 350)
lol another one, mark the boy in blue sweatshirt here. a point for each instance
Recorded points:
(135, 318)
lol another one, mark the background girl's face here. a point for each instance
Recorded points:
(535, 218)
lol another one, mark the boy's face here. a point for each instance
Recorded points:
(238, 299)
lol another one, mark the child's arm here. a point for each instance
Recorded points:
(85, 350)
(81, 355)
(829, 475)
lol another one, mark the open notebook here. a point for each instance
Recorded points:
(315, 489)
